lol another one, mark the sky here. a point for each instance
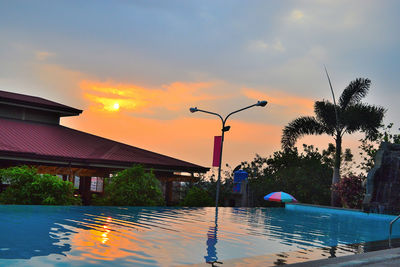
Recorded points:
(136, 67)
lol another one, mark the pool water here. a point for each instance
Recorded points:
(163, 236)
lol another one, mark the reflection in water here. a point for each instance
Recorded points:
(212, 240)
(27, 232)
(162, 236)
(333, 234)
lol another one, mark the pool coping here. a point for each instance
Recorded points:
(318, 208)
(374, 258)
(322, 206)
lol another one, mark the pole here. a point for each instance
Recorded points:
(224, 129)
(220, 162)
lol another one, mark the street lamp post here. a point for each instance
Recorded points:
(223, 130)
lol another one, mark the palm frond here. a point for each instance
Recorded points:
(363, 117)
(299, 127)
(325, 113)
(354, 92)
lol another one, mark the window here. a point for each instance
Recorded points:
(96, 184)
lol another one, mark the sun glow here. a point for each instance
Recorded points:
(116, 106)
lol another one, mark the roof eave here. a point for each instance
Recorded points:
(62, 111)
(95, 163)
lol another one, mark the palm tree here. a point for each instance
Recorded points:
(349, 116)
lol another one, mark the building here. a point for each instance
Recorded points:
(31, 134)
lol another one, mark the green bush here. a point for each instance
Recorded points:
(27, 187)
(197, 197)
(133, 187)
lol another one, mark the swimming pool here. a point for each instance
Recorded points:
(163, 236)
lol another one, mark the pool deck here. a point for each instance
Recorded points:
(376, 253)
(387, 257)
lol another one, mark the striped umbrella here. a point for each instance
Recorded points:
(280, 197)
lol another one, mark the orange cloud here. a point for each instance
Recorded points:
(189, 138)
(281, 102)
(43, 55)
(104, 95)
(281, 98)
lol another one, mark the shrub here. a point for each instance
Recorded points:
(197, 197)
(133, 187)
(307, 176)
(28, 187)
(351, 191)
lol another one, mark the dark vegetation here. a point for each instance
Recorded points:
(304, 175)
(351, 191)
(348, 116)
(197, 197)
(132, 187)
(28, 187)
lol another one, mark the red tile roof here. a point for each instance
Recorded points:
(38, 102)
(40, 141)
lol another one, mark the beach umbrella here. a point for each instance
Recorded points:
(280, 197)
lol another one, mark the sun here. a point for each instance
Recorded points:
(116, 106)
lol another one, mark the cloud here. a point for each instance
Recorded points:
(296, 15)
(56, 83)
(43, 55)
(263, 46)
(141, 99)
(332, 15)
(283, 105)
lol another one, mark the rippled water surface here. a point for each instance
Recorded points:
(141, 236)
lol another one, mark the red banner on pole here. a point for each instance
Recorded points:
(217, 151)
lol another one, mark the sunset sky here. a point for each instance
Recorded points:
(136, 67)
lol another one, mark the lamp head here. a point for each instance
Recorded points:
(193, 109)
(262, 103)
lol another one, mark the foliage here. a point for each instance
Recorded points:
(99, 199)
(209, 185)
(27, 187)
(348, 116)
(369, 148)
(351, 191)
(133, 187)
(305, 175)
(347, 163)
(197, 197)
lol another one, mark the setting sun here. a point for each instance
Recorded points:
(116, 106)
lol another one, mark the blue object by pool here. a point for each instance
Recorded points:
(238, 177)
(141, 236)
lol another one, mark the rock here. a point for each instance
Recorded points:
(383, 181)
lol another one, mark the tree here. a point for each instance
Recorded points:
(27, 187)
(197, 197)
(133, 187)
(348, 116)
(209, 185)
(304, 175)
